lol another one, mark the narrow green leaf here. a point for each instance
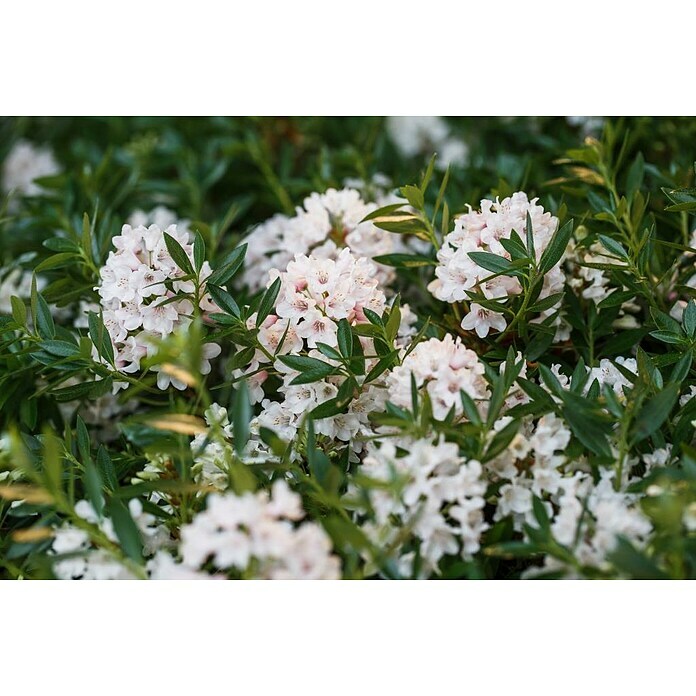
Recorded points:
(198, 251)
(556, 248)
(241, 417)
(530, 238)
(126, 530)
(229, 266)
(613, 247)
(179, 256)
(224, 300)
(267, 303)
(689, 319)
(345, 338)
(44, 320)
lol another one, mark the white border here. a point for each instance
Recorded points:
(350, 638)
(539, 57)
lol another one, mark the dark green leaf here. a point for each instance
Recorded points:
(556, 248)
(179, 256)
(267, 303)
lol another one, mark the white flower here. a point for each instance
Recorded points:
(257, 531)
(444, 367)
(139, 290)
(23, 165)
(482, 320)
(77, 559)
(434, 493)
(457, 274)
(425, 135)
(607, 373)
(325, 225)
(316, 293)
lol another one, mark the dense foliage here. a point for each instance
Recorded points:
(308, 348)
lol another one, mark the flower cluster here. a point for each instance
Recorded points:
(435, 507)
(444, 368)
(458, 274)
(327, 223)
(506, 396)
(145, 296)
(317, 292)
(315, 295)
(77, 558)
(256, 536)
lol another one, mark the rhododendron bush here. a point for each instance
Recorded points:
(347, 348)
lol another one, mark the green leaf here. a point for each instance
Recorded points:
(52, 461)
(613, 247)
(126, 530)
(654, 413)
(556, 248)
(668, 337)
(44, 320)
(267, 303)
(540, 514)
(404, 260)
(302, 363)
(383, 211)
(531, 251)
(372, 317)
(428, 174)
(229, 266)
(60, 348)
(19, 310)
(470, 409)
(514, 247)
(616, 298)
(414, 196)
(634, 179)
(198, 251)
(87, 237)
(328, 408)
(328, 351)
(345, 338)
(634, 563)
(491, 262)
(547, 302)
(502, 439)
(179, 256)
(100, 337)
(241, 417)
(83, 446)
(60, 244)
(93, 486)
(391, 328)
(106, 469)
(665, 322)
(223, 299)
(56, 261)
(689, 319)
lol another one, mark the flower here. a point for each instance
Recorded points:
(23, 165)
(457, 275)
(425, 135)
(77, 559)
(444, 367)
(142, 299)
(434, 496)
(482, 320)
(328, 223)
(255, 533)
